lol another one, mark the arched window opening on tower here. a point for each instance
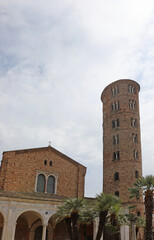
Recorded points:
(51, 184)
(40, 183)
(116, 139)
(132, 104)
(116, 176)
(131, 89)
(116, 156)
(117, 193)
(115, 123)
(136, 174)
(136, 155)
(134, 137)
(115, 106)
(133, 122)
(115, 91)
(45, 162)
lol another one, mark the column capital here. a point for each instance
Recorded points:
(44, 224)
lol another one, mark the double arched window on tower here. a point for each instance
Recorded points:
(45, 184)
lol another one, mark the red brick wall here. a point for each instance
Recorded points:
(19, 174)
(127, 164)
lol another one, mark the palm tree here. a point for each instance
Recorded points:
(145, 186)
(73, 211)
(105, 205)
(86, 216)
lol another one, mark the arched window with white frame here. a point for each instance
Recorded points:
(40, 183)
(51, 184)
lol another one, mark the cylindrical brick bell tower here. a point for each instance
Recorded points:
(122, 162)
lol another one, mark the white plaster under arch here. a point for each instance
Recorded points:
(31, 211)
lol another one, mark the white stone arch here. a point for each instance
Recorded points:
(37, 217)
(53, 220)
(33, 211)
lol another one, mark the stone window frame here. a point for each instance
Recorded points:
(116, 156)
(131, 89)
(115, 123)
(132, 104)
(115, 106)
(116, 139)
(135, 137)
(133, 122)
(115, 90)
(47, 175)
(136, 154)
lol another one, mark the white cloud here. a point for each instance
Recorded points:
(56, 58)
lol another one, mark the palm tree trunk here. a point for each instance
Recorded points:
(74, 218)
(148, 212)
(68, 223)
(102, 221)
(85, 231)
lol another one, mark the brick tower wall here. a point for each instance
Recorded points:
(122, 163)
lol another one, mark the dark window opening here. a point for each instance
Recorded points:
(117, 193)
(134, 137)
(50, 163)
(133, 122)
(138, 213)
(116, 139)
(131, 89)
(45, 162)
(115, 106)
(132, 104)
(115, 123)
(51, 184)
(40, 183)
(136, 174)
(116, 156)
(115, 91)
(136, 155)
(116, 176)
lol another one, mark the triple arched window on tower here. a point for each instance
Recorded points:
(45, 184)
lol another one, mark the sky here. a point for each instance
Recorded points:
(56, 57)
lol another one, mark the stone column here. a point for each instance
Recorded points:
(9, 231)
(124, 232)
(13, 232)
(4, 230)
(95, 228)
(44, 232)
(133, 231)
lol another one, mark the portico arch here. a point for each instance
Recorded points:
(24, 223)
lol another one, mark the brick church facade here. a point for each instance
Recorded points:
(33, 183)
